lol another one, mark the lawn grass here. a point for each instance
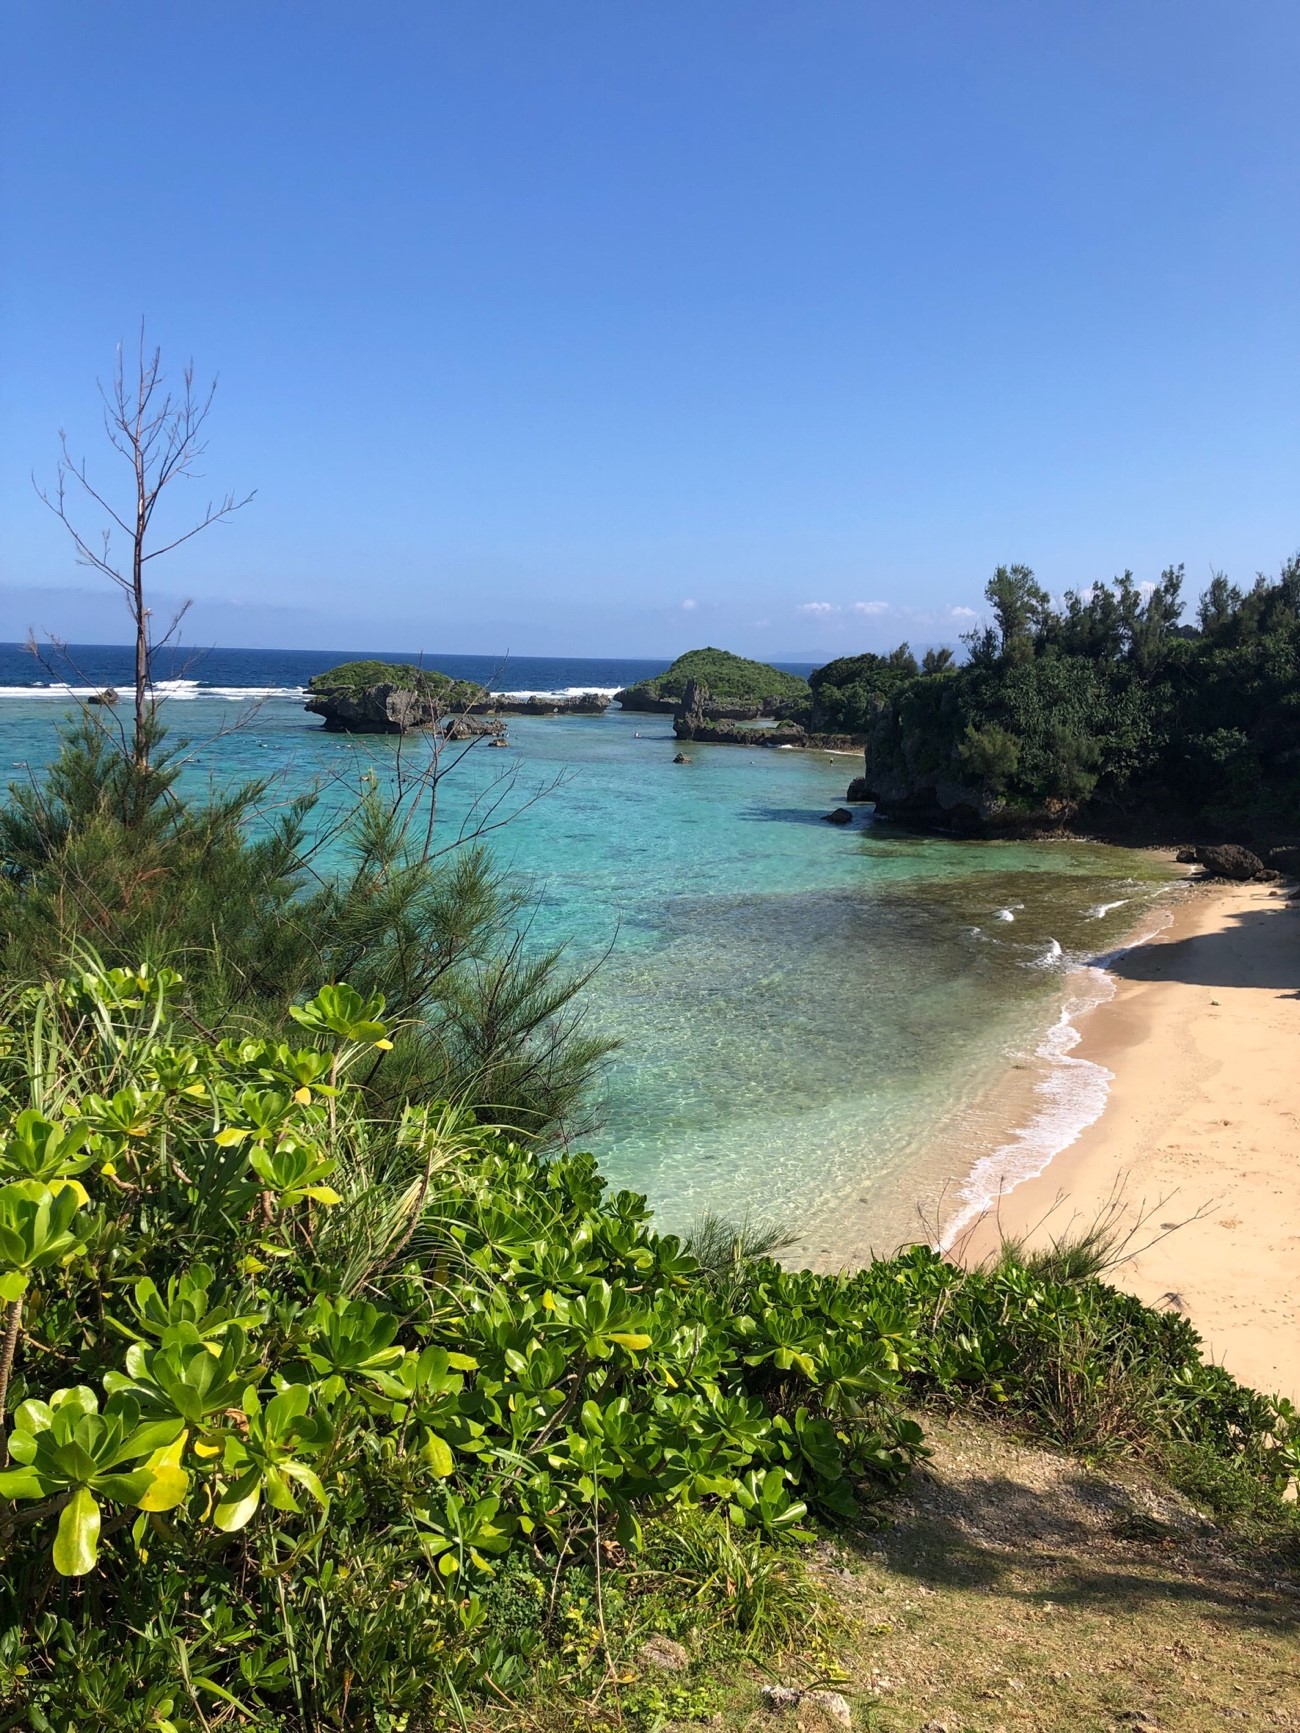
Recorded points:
(1014, 1590)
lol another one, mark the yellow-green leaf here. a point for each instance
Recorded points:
(437, 1453)
(76, 1544)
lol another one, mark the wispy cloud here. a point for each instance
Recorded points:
(689, 605)
(871, 607)
(963, 613)
(817, 610)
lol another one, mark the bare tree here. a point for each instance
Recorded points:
(160, 434)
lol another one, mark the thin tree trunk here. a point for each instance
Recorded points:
(13, 1324)
(141, 752)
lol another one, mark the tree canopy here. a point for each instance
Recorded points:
(729, 677)
(1107, 704)
(351, 679)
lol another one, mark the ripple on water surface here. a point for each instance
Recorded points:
(799, 1006)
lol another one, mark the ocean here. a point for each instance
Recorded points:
(812, 1019)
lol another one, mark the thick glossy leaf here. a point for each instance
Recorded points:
(76, 1543)
(437, 1453)
(238, 1505)
(24, 1483)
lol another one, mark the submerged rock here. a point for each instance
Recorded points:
(841, 815)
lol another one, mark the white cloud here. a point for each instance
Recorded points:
(871, 607)
(688, 605)
(762, 622)
(962, 613)
(817, 609)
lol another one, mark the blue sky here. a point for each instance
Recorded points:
(618, 327)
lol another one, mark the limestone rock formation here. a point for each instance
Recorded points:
(698, 718)
(545, 704)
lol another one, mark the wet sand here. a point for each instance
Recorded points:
(1201, 1128)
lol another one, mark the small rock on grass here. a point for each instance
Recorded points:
(664, 1654)
(829, 1705)
(780, 1699)
(832, 1706)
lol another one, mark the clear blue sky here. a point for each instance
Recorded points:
(619, 326)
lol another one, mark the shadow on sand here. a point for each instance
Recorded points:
(1258, 948)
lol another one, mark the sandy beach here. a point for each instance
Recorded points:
(1202, 1121)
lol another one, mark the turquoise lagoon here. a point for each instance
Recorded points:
(810, 1017)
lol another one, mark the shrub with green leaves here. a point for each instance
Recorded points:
(289, 1387)
(268, 1353)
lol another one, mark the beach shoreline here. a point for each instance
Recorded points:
(1194, 1045)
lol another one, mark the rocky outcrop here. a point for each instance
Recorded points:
(1228, 860)
(384, 708)
(934, 802)
(698, 718)
(841, 815)
(1286, 859)
(543, 704)
(365, 698)
(636, 698)
(463, 727)
(741, 690)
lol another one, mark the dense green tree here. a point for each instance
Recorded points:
(1109, 704)
(729, 678)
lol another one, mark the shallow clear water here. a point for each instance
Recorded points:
(800, 1006)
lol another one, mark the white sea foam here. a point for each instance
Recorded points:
(1050, 955)
(1004, 915)
(246, 694)
(1095, 914)
(1071, 1094)
(170, 689)
(564, 692)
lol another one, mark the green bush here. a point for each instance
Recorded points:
(354, 678)
(319, 1419)
(290, 1383)
(730, 679)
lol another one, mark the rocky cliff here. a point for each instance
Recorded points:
(394, 698)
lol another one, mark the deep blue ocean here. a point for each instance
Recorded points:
(816, 1023)
(239, 673)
